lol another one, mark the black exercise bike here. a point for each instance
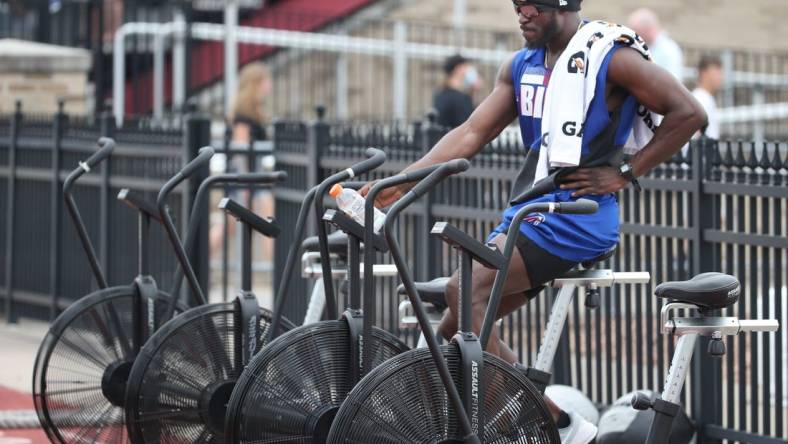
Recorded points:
(83, 364)
(81, 368)
(183, 375)
(291, 390)
(457, 393)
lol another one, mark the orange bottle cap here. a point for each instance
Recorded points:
(335, 190)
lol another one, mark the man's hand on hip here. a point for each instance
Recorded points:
(596, 180)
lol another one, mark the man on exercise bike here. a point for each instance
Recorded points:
(628, 85)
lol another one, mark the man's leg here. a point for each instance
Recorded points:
(513, 298)
(517, 282)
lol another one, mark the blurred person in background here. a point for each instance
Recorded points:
(664, 50)
(710, 81)
(454, 101)
(246, 116)
(247, 120)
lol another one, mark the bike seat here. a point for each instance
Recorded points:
(595, 261)
(709, 291)
(337, 243)
(433, 292)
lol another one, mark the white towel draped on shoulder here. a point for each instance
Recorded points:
(571, 90)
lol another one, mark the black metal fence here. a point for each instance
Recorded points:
(719, 207)
(42, 265)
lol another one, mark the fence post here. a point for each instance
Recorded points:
(706, 372)
(54, 208)
(228, 137)
(400, 74)
(317, 134)
(16, 126)
(343, 86)
(98, 59)
(431, 133)
(316, 139)
(179, 64)
(197, 134)
(107, 128)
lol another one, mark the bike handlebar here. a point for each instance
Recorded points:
(447, 169)
(203, 157)
(106, 146)
(375, 158)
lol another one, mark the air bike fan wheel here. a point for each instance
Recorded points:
(291, 391)
(403, 400)
(185, 374)
(83, 364)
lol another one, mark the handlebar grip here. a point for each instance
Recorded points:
(457, 166)
(444, 171)
(354, 185)
(420, 174)
(580, 206)
(259, 178)
(202, 158)
(540, 188)
(106, 146)
(402, 178)
(375, 159)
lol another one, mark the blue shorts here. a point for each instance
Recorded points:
(572, 237)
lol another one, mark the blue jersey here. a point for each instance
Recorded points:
(575, 238)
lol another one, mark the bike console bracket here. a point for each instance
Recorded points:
(472, 358)
(248, 312)
(487, 255)
(355, 323)
(146, 288)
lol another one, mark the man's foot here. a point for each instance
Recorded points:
(578, 431)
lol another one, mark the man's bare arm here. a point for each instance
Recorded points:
(492, 116)
(659, 91)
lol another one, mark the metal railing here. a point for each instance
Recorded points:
(389, 69)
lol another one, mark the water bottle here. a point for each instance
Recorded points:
(352, 204)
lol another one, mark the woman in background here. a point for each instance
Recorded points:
(246, 116)
(247, 120)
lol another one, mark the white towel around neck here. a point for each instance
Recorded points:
(571, 90)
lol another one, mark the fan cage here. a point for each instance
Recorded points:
(74, 365)
(404, 400)
(184, 372)
(291, 390)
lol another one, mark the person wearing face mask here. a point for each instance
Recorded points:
(453, 102)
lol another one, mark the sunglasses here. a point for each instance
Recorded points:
(530, 10)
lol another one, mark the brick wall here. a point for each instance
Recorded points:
(41, 75)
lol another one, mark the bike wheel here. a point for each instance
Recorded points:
(82, 365)
(404, 400)
(291, 390)
(183, 377)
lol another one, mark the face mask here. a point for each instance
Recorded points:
(471, 77)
